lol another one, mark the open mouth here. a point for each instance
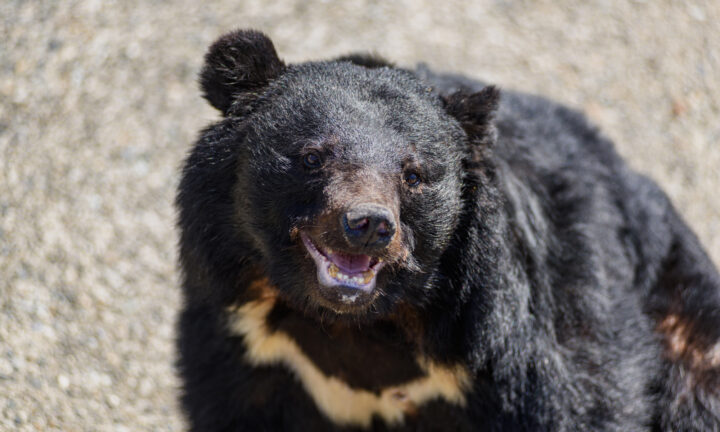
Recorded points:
(341, 269)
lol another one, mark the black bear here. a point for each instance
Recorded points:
(366, 247)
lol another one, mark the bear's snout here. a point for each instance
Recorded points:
(368, 226)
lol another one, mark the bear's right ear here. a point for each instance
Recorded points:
(475, 112)
(370, 61)
(238, 65)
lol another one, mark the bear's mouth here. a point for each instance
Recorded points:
(342, 269)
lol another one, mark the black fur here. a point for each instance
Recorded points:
(565, 283)
(370, 61)
(237, 66)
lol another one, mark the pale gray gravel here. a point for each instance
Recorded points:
(98, 105)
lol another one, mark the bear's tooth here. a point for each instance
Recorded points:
(367, 276)
(333, 271)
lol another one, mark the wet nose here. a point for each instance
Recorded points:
(368, 225)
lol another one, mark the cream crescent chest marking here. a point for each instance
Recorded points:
(335, 398)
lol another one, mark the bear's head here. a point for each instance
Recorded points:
(344, 181)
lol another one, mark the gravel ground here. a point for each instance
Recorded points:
(98, 105)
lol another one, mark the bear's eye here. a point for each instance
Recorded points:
(412, 179)
(312, 160)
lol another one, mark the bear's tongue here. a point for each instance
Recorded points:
(350, 263)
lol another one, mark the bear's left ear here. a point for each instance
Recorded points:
(475, 112)
(238, 65)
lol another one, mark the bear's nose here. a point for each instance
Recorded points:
(368, 226)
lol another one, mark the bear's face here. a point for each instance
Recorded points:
(353, 180)
(349, 179)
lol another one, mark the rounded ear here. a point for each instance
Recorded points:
(370, 61)
(475, 112)
(236, 66)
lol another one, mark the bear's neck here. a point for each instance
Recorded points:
(371, 357)
(353, 373)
